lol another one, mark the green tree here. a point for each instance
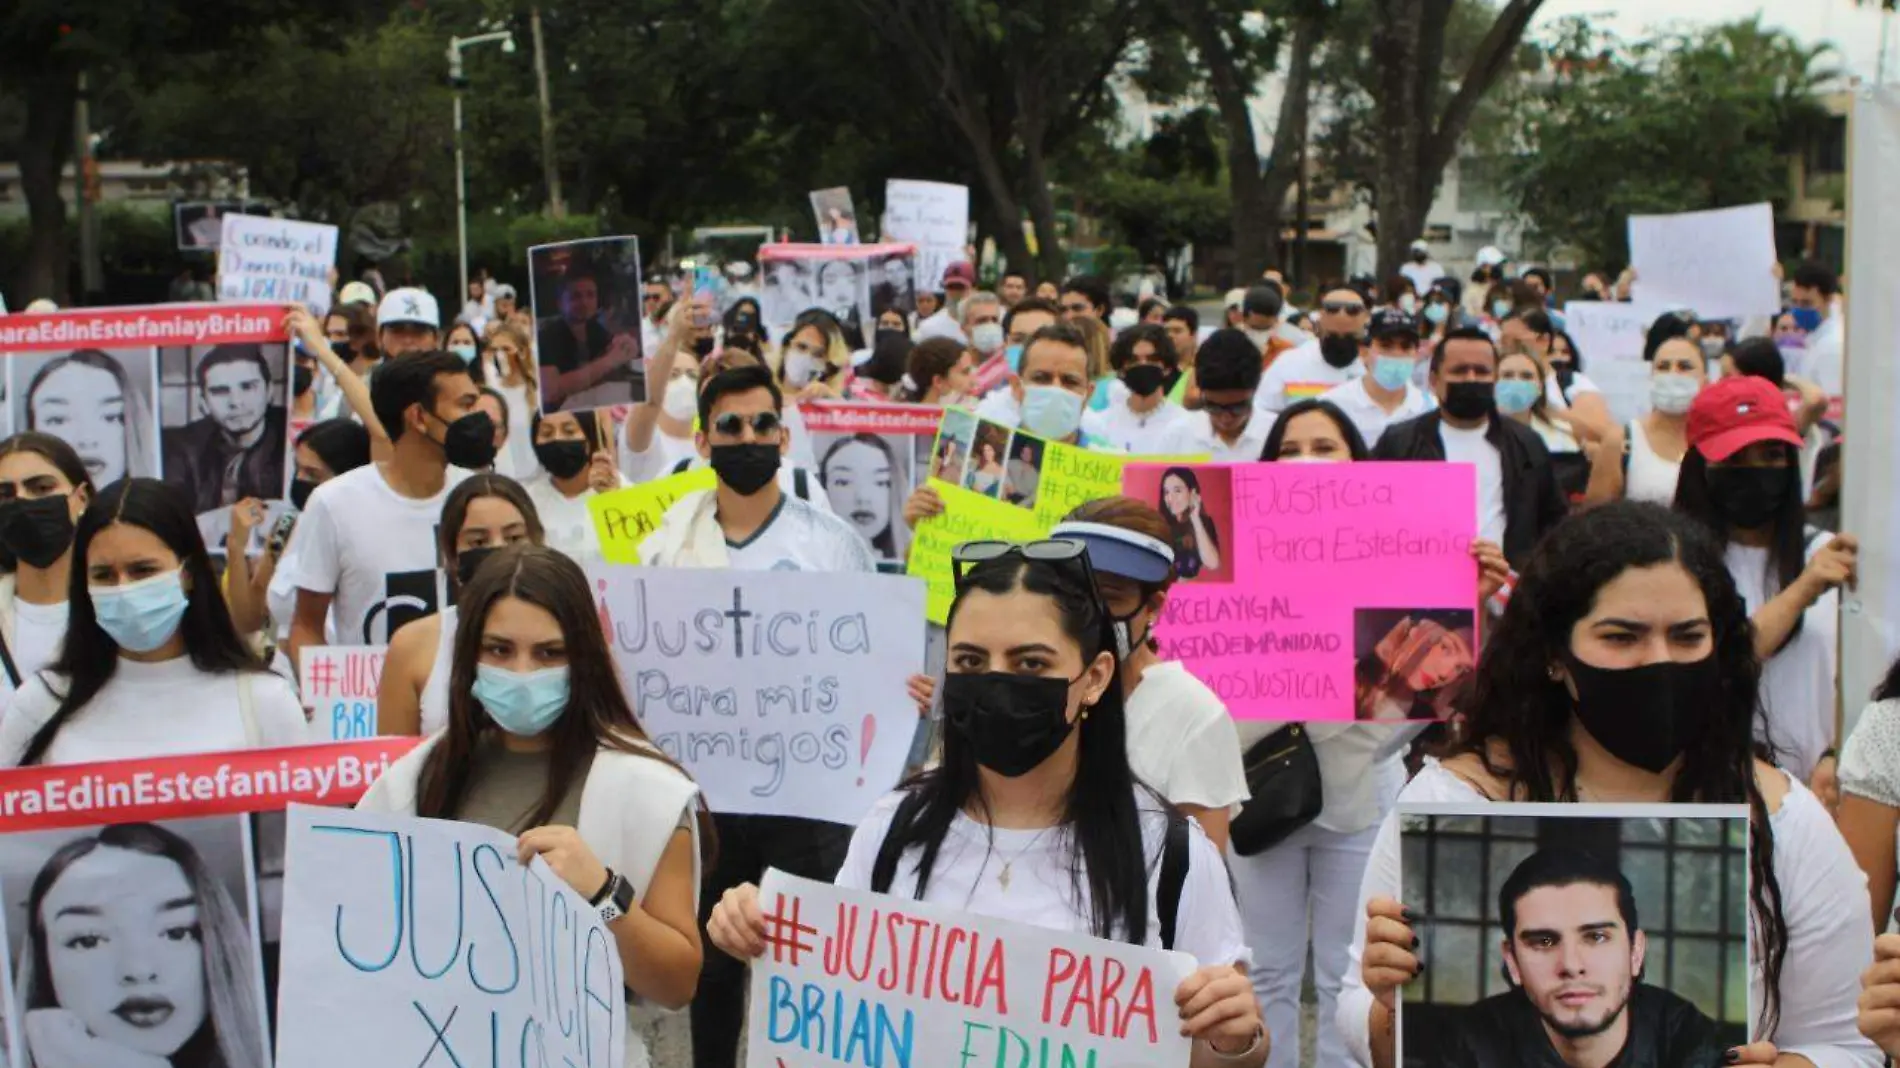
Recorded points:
(1679, 122)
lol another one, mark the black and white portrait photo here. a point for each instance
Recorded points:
(200, 223)
(134, 943)
(586, 301)
(894, 283)
(223, 422)
(798, 279)
(102, 402)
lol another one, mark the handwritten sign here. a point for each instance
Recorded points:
(437, 946)
(966, 516)
(934, 216)
(626, 517)
(339, 685)
(276, 260)
(855, 978)
(1337, 569)
(782, 692)
(1610, 335)
(1720, 264)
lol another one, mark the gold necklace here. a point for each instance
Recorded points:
(1002, 875)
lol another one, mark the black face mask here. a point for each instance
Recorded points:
(1645, 716)
(468, 561)
(703, 346)
(1470, 400)
(1421, 257)
(343, 351)
(563, 459)
(300, 491)
(1012, 722)
(301, 379)
(37, 531)
(1338, 350)
(469, 441)
(1145, 379)
(745, 469)
(1749, 497)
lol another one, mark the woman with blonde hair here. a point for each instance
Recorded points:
(508, 366)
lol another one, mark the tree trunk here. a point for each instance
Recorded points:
(1051, 261)
(45, 146)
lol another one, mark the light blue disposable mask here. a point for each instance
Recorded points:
(1393, 372)
(1500, 309)
(524, 705)
(1672, 394)
(141, 616)
(1051, 412)
(1516, 396)
(1014, 354)
(1436, 314)
(466, 352)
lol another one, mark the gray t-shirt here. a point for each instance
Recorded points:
(505, 788)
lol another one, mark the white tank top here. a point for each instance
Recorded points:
(1649, 477)
(435, 692)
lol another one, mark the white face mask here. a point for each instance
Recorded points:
(1672, 394)
(682, 398)
(987, 337)
(1258, 337)
(800, 368)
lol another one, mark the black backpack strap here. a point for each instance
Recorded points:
(1174, 870)
(1626, 449)
(884, 868)
(801, 487)
(6, 658)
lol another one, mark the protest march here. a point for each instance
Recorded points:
(964, 620)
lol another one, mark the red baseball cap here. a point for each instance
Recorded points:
(960, 271)
(1736, 412)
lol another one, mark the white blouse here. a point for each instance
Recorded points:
(1823, 900)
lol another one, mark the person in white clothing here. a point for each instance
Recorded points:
(508, 369)
(1869, 795)
(1624, 672)
(1180, 739)
(1384, 394)
(367, 541)
(1641, 459)
(1531, 330)
(483, 515)
(44, 489)
(1741, 481)
(1035, 814)
(1230, 427)
(542, 743)
(151, 664)
(1331, 359)
(1813, 296)
(576, 452)
(1423, 271)
(1143, 421)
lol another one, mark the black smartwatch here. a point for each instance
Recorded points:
(614, 899)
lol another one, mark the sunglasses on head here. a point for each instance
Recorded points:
(1343, 308)
(1063, 552)
(732, 424)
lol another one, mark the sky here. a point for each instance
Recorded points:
(1853, 31)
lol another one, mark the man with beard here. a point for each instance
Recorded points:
(236, 450)
(1573, 953)
(1331, 359)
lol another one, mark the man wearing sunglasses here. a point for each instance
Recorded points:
(1228, 427)
(1331, 359)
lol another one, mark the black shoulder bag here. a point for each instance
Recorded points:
(1283, 779)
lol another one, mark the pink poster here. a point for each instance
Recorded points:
(1320, 591)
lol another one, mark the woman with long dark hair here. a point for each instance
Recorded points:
(87, 399)
(483, 515)
(542, 743)
(1870, 793)
(324, 451)
(1034, 814)
(1624, 671)
(1741, 480)
(1195, 537)
(151, 665)
(44, 489)
(192, 1002)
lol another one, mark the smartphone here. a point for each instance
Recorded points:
(280, 534)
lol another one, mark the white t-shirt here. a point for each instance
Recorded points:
(1649, 477)
(800, 537)
(1365, 413)
(1797, 683)
(1301, 373)
(1825, 354)
(1469, 446)
(1042, 890)
(1579, 385)
(373, 549)
(517, 459)
(1870, 758)
(1823, 901)
(1000, 407)
(1181, 740)
(1195, 435)
(662, 454)
(568, 522)
(1146, 434)
(151, 710)
(38, 630)
(1422, 275)
(433, 706)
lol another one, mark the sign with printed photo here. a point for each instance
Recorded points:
(870, 456)
(852, 282)
(585, 297)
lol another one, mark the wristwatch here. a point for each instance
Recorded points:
(614, 899)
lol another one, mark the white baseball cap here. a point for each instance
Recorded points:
(356, 293)
(409, 306)
(1421, 245)
(503, 289)
(1491, 256)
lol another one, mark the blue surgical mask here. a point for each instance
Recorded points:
(1515, 396)
(141, 616)
(1500, 309)
(1808, 319)
(1051, 412)
(466, 352)
(524, 705)
(1393, 372)
(1014, 354)
(1436, 314)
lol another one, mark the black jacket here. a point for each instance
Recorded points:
(199, 457)
(1505, 1032)
(1532, 502)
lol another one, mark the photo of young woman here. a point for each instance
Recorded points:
(1411, 662)
(98, 401)
(1195, 516)
(985, 474)
(953, 446)
(867, 478)
(135, 944)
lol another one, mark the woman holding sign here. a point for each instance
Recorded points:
(542, 743)
(1035, 815)
(1625, 671)
(479, 517)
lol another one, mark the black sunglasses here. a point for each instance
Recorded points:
(1065, 552)
(1336, 308)
(1237, 408)
(732, 424)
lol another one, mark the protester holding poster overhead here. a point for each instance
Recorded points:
(576, 452)
(542, 743)
(482, 516)
(1035, 814)
(44, 489)
(151, 664)
(1624, 671)
(1741, 480)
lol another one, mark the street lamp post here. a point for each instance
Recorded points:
(456, 44)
